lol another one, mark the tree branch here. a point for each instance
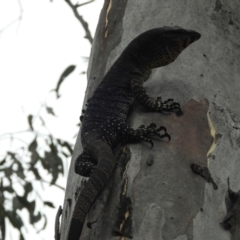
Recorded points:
(80, 18)
(79, 5)
(54, 184)
(18, 19)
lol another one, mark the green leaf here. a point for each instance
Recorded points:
(18, 203)
(53, 148)
(3, 227)
(3, 161)
(52, 162)
(44, 225)
(65, 154)
(15, 219)
(12, 156)
(50, 111)
(28, 188)
(34, 158)
(21, 236)
(8, 189)
(33, 146)
(20, 171)
(35, 172)
(35, 218)
(66, 145)
(46, 160)
(49, 204)
(8, 173)
(31, 206)
(30, 123)
(65, 73)
(21, 175)
(43, 123)
(21, 202)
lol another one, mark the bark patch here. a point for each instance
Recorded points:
(171, 184)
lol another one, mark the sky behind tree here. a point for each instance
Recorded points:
(40, 39)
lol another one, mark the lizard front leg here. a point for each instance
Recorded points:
(155, 105)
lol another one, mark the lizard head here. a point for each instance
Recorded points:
(176, 39)
(161, 46)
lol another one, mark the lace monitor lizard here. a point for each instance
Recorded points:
(104, 122)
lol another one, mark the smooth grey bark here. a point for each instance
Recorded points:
(168, 201)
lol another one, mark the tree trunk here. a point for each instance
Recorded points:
(153, 193)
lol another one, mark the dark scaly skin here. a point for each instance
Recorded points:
(104, 121)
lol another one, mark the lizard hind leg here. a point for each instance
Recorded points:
(85, 164)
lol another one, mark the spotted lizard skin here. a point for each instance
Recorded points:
(104, 122)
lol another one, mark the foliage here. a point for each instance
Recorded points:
(23, 168)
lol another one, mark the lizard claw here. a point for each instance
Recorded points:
(161, 128)
(165, 135)
(152, 126)
(168, 136)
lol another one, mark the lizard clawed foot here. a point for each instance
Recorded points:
(147, 140)
(157, 134)
(168, 106)
(143, 131)
(165, 135)
(161, 128)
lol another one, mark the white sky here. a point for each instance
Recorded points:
(33, 54)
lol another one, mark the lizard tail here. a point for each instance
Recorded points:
(91, 189)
